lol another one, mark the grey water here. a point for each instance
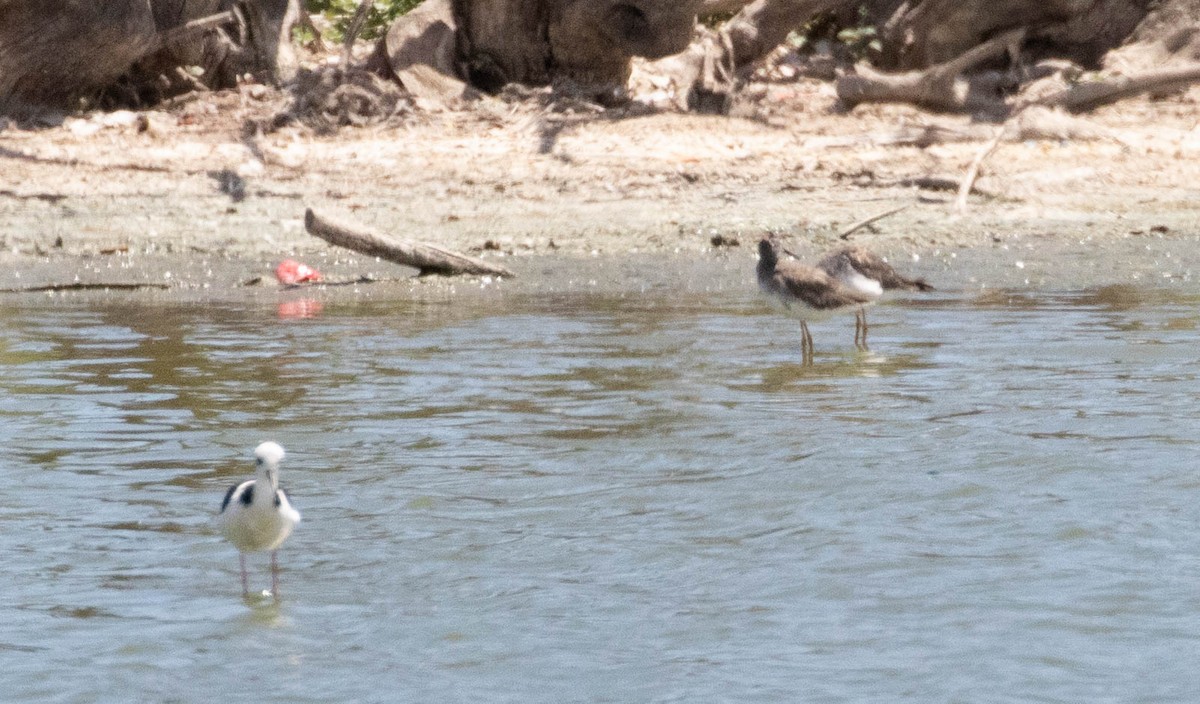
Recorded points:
(591, 497)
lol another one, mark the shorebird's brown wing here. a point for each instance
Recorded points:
(873, 266)
(815, 288)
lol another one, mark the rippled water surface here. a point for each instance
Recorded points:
(607, 499)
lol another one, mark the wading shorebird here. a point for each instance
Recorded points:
(805, 292)
(868, 273)
(256, 515)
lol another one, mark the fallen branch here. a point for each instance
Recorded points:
(968, 182)
(761, 26)
(425, 258)
(845, 234)
(929, 183)
(937, 87)
(1007, 43)
(323, 283)
(334, 283)
(83, 286)
(183, 31)
(48, 197)
(1089, 95)
(925, 136)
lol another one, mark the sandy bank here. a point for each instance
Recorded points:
(148, 196)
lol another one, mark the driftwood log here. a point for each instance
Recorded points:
(425, 258)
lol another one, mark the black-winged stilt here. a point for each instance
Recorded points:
(256, 515)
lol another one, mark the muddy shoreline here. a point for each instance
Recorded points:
(184, 198)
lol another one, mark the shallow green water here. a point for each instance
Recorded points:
(605, 499)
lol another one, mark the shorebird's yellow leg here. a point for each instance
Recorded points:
(806, 344)
(860, 330)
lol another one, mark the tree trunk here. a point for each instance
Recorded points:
(53, 53)
(51, 56)
(538, 42)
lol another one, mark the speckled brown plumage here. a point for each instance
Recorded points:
(863, 270)
(806, 292)
(870, 265)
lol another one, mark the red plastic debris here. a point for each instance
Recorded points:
(291, 271)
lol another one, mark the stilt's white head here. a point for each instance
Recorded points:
(267, 457)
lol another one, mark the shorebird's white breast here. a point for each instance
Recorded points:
(798, 309)
(254, 528)
(863, 284)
